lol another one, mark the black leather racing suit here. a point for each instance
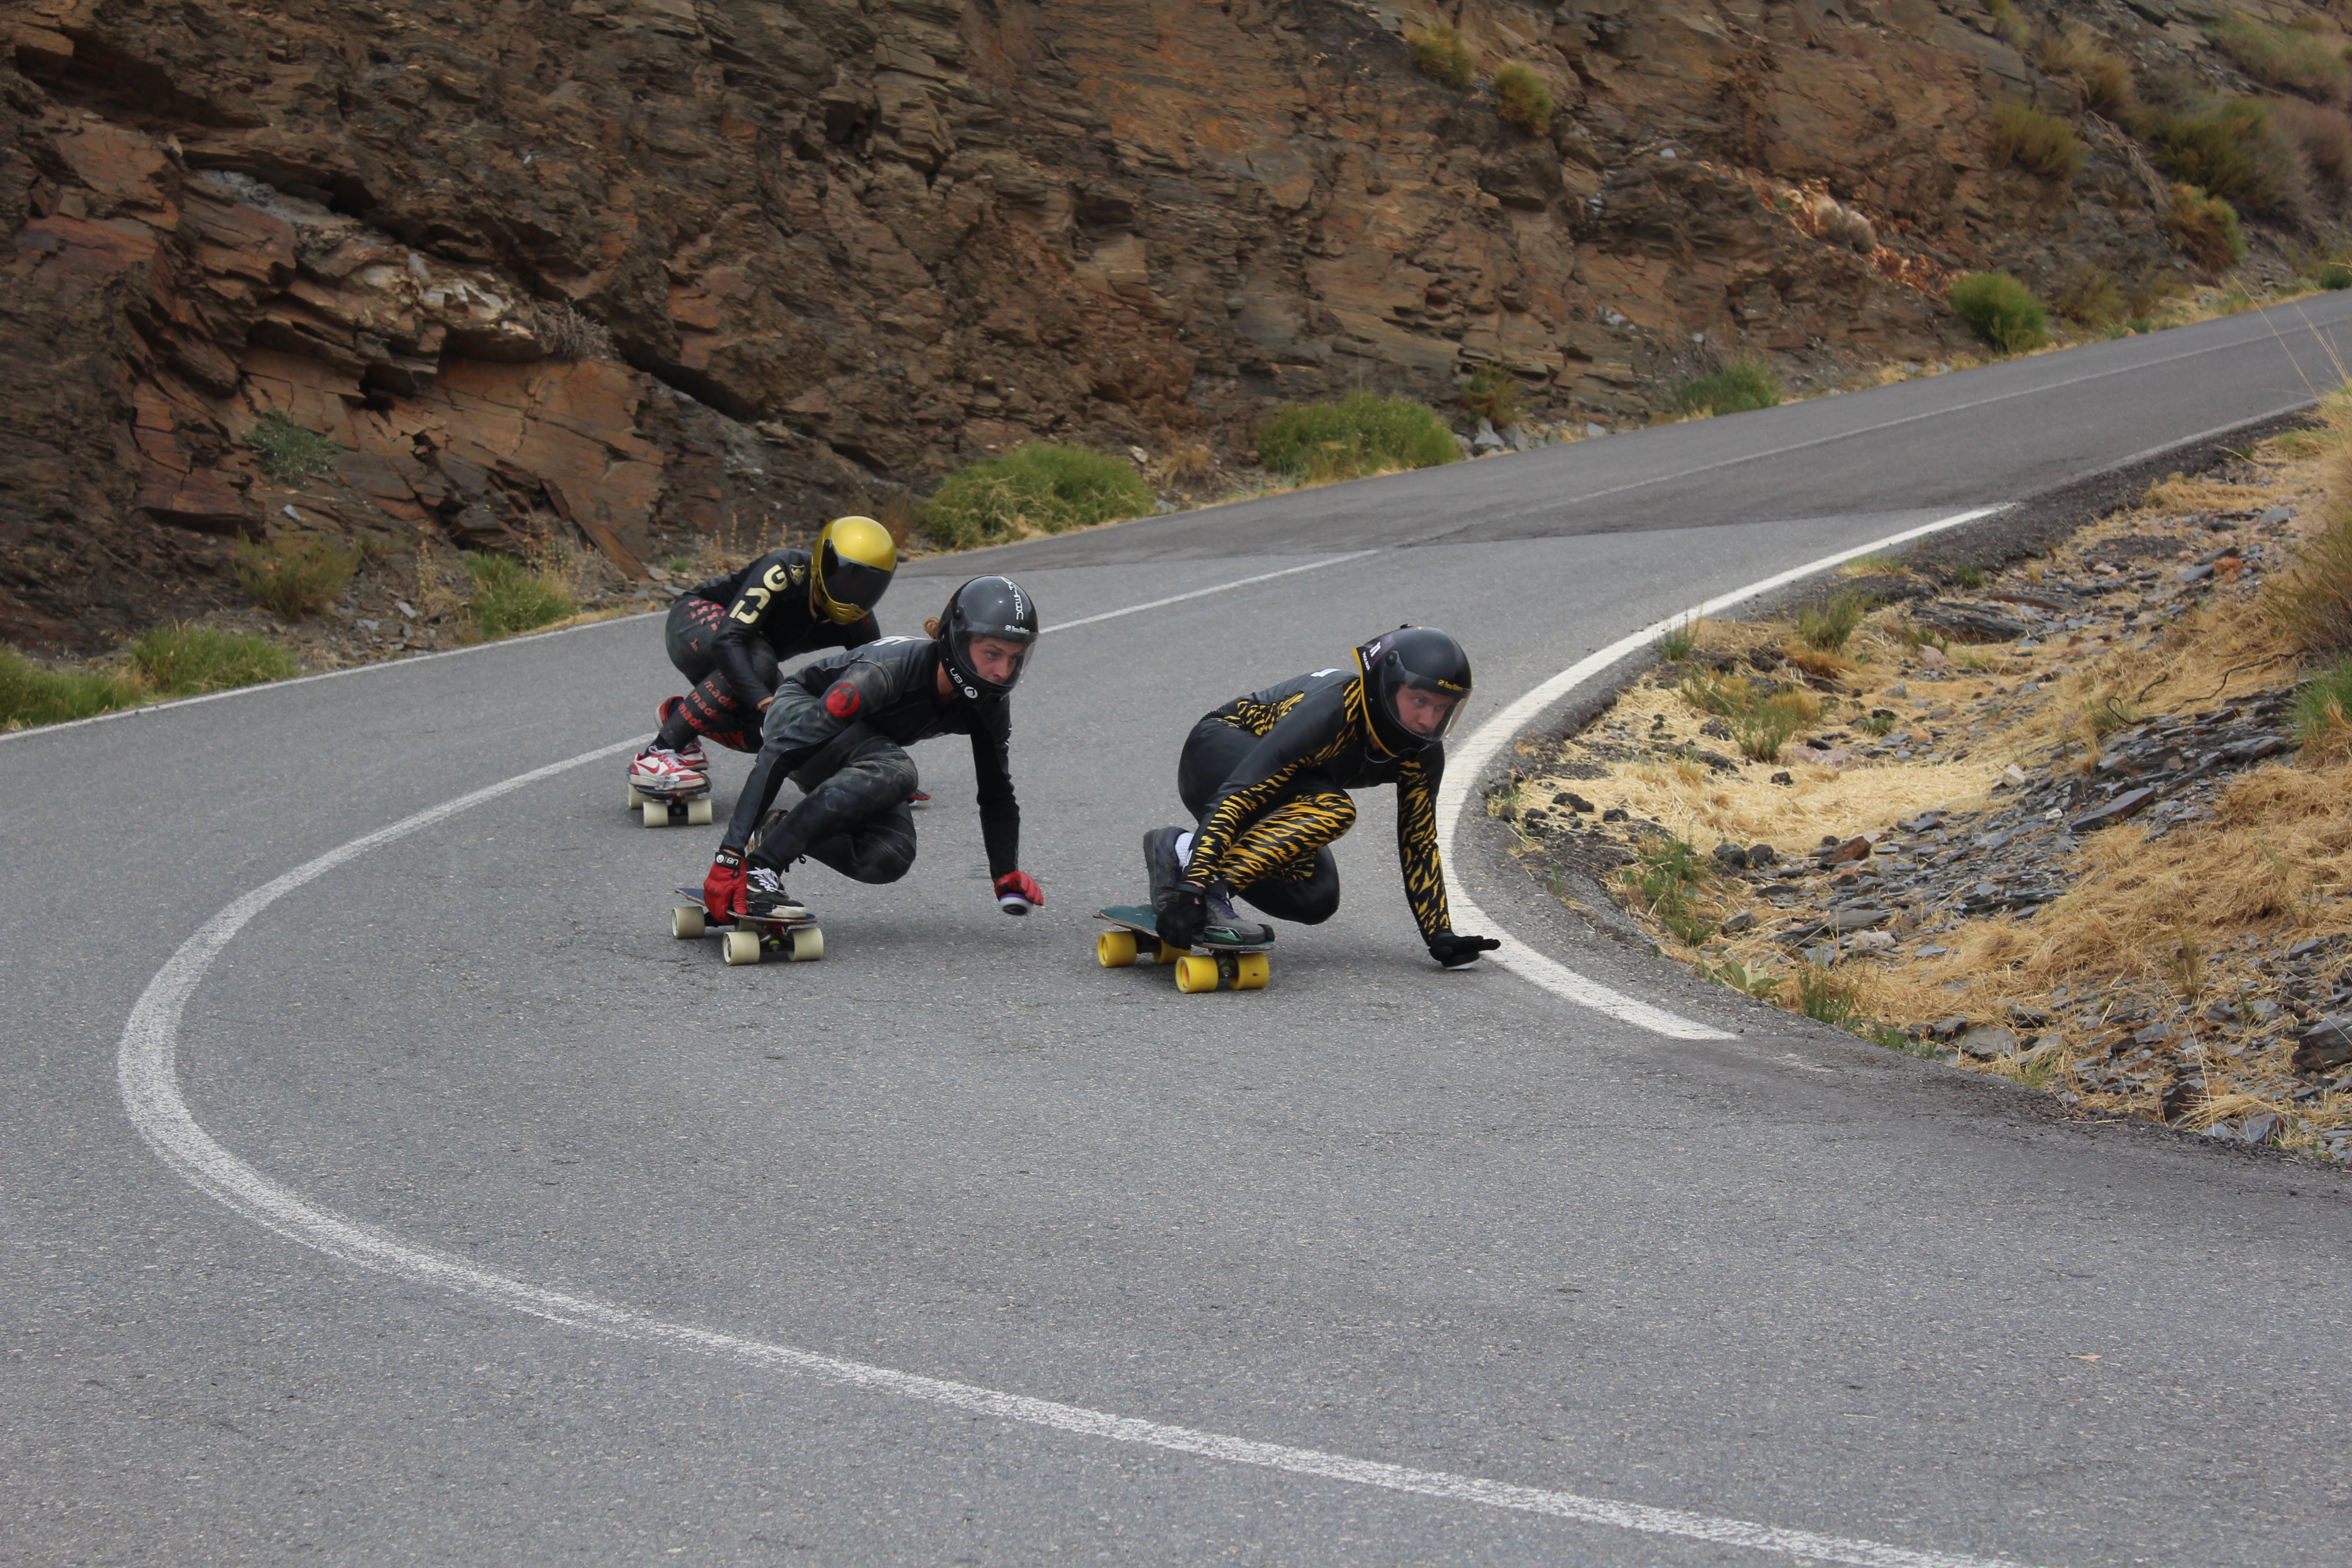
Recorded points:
(1266, 777)
(729, 636)
(839, 728)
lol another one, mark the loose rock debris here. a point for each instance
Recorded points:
(1901, 862)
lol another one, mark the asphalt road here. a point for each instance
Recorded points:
(482, 1221)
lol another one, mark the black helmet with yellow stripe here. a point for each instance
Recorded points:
(854, 559)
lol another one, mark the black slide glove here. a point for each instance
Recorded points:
(1454, 952)
(1184, 916)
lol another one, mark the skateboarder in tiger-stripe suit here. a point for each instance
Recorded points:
(1266, 779)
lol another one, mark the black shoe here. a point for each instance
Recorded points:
(1161, 866)
(764, 897)
(1227, 926)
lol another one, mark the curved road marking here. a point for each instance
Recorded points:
(1461, 771)
(146, 1071)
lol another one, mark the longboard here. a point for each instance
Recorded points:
(1232, 966)
(660, 808)
(748, 939)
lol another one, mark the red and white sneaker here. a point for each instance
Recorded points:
(659, 771)
(691, 753)
(919, 800)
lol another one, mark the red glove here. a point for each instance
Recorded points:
(722, 891)
(1017, 893)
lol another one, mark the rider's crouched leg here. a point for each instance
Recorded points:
(854, 808)
(1306, 889)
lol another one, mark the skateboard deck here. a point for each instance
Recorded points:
(748, 941)
(1209, 966)
(660, 808)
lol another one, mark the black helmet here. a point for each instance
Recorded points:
(994, 607)
(1417, 659)
(854, 559)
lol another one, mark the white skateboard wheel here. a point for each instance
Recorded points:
(742, 947)
(697, 813)
(685, 922)
(635, 800)
(657, 812)
(808, 943)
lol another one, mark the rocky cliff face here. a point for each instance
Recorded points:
(636, 267)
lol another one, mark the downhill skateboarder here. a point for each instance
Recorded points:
(1266, 778)
(839, 728)
(728, 636)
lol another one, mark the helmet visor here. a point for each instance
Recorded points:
(847, 590)
(1426, 708)
(996, 655)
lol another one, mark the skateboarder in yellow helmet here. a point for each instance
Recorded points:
(1266, 778)
(730, 635)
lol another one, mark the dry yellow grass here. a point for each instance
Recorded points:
(2148, 920)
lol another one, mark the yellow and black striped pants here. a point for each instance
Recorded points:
(1280, 863)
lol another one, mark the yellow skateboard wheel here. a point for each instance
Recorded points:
(1115, 949)
(1167, 954)
(1195, 973)
(1252, 972)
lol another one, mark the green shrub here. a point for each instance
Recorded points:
(34, 694)
(1492, 393)
(2232, 151)
(1361, 434)
(289, 454)
(293, 576)
(1822, 996)
(1441, 54)
(2024, 135)
(2000, 311)
(183, 660)
(1970, 576)
(1739, 386)
(2313, 604)
(1762, 724)
(2284, 56)
(2091, 299)
(2207, 227)
(1661, 878)
(509, 598)
(2009, 23)
(1521, 99)
(2104, 78)
(1825, 627)
(1679, 641)
(1037, 489)
(2323, 703)
(2333, 275)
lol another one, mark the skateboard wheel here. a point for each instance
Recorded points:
(697, 813)
(635, 800)
(805, 943)
(1250, 971)
(742, 946)
(685, 922)
(1165, 954)
(1196, 971)
(1115, 949)
(657, 812)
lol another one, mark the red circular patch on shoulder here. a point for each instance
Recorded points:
(842, 701)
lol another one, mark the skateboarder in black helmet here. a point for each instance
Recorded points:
(1266, 778)
(729, 636)
(839, 728)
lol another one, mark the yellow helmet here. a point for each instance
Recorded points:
(853, 562)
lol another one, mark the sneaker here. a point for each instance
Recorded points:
(919, 800)
(691, 753)
(764, 896)
(1162, 869)
(1224, 923)
(659, 771)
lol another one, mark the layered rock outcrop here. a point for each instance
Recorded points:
(634, 267)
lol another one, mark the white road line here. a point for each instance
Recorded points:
(1204, 593)
(1464, 767)
(147, 1073)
